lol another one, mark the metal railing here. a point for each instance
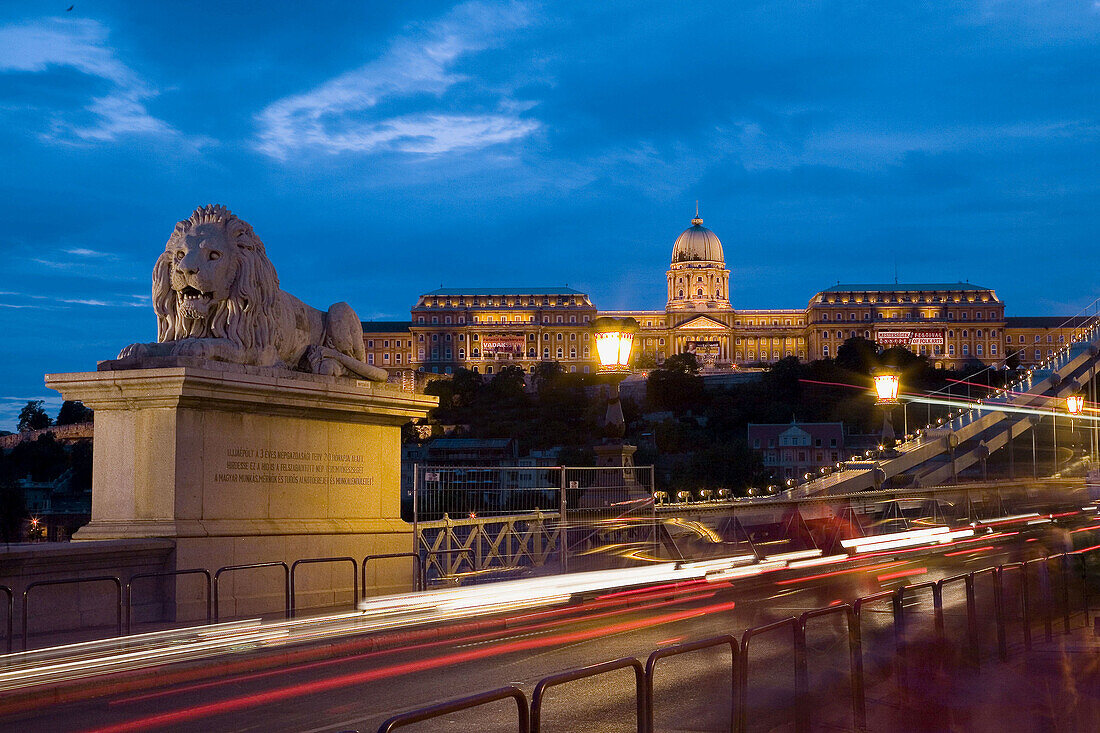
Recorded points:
(252, 566)
(11, 614)
(465, 703)
(592, 671)
(73, 581)
(740, 676)
(320, 560)
(686, 648)
(418, 578)
(165, 574)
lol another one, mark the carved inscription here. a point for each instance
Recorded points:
(296, 467)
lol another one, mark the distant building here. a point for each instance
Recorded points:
(955, 324)
(791, 449)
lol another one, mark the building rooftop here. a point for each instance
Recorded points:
(452, 292)
(1044, 321)
(386, 326)
(902, 287)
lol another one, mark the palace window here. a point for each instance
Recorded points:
(966, 349)
(825, 350)
(370, 344)
(561, 352)
(572, 352)
(978, 349)
(435, 319)
(993, 349)
(546, 353)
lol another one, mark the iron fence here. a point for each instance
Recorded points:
(803, 713)
(474, 522)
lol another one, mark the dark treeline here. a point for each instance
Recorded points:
(695, 435)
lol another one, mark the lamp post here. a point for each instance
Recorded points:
(1074, 404)
(614, 341)
(886, 390)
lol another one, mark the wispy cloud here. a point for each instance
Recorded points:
(84, 252)
(81, 44)
(335, 116)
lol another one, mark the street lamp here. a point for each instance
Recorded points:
(887, 381)
(614, 341)
(1074, 404)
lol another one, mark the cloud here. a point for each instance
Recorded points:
(81, 44)
(334, 117)
(84, 252)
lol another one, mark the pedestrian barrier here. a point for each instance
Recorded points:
(252, 566)
(164, 574)
(418, 579)
(11, 612)
(453, 551)
(73, 581)
(855, 661)
(1025, 601)
(464, 703)
(317, 560)
(973, 647)
(740, 653)
(746, 638)
(685, 648)
(591, 671)
(860, 697)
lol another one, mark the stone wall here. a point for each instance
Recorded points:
(60, 608)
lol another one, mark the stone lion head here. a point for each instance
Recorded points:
(214, 280)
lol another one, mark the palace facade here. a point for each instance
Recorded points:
(953, 324)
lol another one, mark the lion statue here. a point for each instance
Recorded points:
(217, 297)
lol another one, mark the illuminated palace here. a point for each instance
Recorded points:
(953, 324)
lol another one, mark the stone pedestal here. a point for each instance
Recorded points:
(242, 465)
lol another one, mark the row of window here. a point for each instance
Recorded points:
(930, 315)
(460, 320)
(922, 298)
(517, 302)
(475, 353)
(489, 369)
(585, 336)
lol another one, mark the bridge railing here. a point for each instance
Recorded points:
(800, 690)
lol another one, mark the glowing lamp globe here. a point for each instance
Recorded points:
(886, 386)
(614, 339)
(1075, 403)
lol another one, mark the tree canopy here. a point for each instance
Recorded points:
(33, 416)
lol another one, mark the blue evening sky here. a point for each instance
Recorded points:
(381, 149)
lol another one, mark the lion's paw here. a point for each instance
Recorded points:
(134, 351)
(190, 347)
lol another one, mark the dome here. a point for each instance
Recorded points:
(697, 243)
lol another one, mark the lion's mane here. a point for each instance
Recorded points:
(249, 316)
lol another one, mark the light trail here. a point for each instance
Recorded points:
(356, 678)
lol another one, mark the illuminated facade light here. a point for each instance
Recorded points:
(1075, 403)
